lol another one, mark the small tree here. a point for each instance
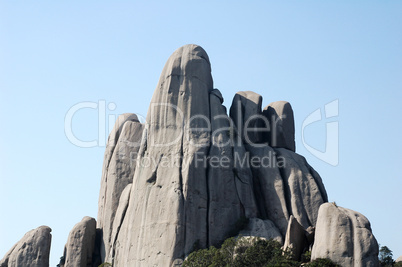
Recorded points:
(385, 256)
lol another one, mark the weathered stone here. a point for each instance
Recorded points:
(345, 237)
(246, 114)
(32, 250)
(244, 177)
(225, 205)
(110, 147)
(268, 185)
(80, 244)
(118, 224)
(261, 228)
(244, 182)
(192, 180)
(168, 207)
(295, 239)
(282, 125)
(304, 190)
(121, 154)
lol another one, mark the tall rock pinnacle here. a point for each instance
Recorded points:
(168, 206)
(188, 176)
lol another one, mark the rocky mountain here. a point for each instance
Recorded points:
(186, 177)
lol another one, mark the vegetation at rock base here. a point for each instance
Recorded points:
(243, 251)
(306, 257)
(385, 257)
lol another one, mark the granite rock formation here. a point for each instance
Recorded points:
(118, 170)
(261, 228)
(80, 246)
(194, 175)
(269, 187)
(188, 175)
(345, 237)
(229, 192)
(32, 250)
(182, 199)
(282, 126)
(304, 189)
(246, 115)
(284, 183)
(295, 240)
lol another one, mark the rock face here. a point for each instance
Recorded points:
(80, 244)
(295, 239)
(193, 179)
(269, 186)
(117, 224)
(230, 193)
(168, 206)
(32, 250)
(345, 237)
(399, 259)
(304, 189)
(246, 115)
(186, 189)
(284, 183)
(282, 130)
(118, 171)
(262, 228)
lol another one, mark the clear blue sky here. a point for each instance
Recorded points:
(55, 54)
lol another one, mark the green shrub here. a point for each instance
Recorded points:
(239, 252)
(200, 258)
(261, 253)
(306, 257)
